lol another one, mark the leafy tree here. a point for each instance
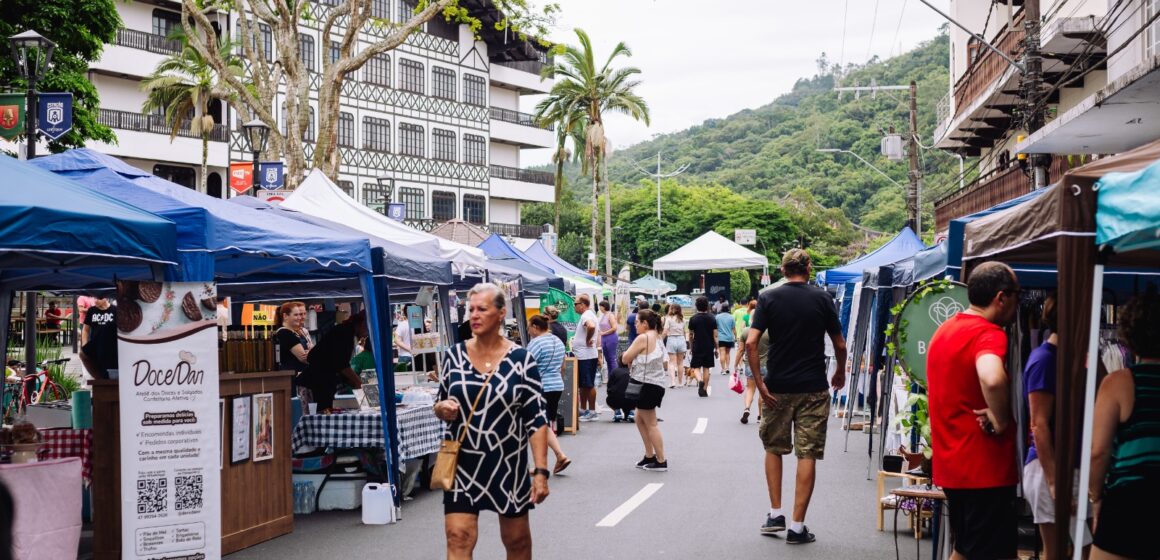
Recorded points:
(571, 122)
(581, 86)
(343, 22)
(183, 85)
(80, 29)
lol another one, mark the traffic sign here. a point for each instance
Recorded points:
(745, 236)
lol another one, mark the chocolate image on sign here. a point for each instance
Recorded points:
(126, 290)
(149, 292)
(128, 315)
(189, 307)
(210, 304)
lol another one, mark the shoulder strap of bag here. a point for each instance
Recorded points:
(482, 389)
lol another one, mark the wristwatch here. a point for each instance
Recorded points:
(547, 473)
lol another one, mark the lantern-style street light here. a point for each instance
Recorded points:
(256, 133)
(32, 52)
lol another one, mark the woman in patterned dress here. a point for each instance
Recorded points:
(492, 472)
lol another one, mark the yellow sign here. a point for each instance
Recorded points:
(259, 315)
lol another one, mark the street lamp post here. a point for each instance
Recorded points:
(32, 52)
(917, 220)
(387, 184)
(256, 133)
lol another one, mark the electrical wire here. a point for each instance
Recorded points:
(873, 27)
(898, 30)
(842, 55)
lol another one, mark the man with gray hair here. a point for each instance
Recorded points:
(795, 397)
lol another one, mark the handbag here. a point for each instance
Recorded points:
(632, 392)
(735, 383)
(447, 459)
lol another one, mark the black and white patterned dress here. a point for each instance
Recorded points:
(492, 472)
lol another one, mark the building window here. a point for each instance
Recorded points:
(411, 76)
(404, 9)
(306, 51)
(335, 51)
(375, 197)
(184, 176)
(442, 144)
(474, 150)
(411, 140)
(347, 187)
(307, 132)
(474, 208)
(442, 206)
(1152, 34)
(376, 134)
(414, 200)
(346, 130)
(165, 22)
(378, 70)
(381, 9)
(443, 83)
(474, 90)
(267, 41)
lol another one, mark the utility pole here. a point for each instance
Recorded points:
(658, 176)
(913, 203)
(1031, 89)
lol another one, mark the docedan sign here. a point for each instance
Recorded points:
(170, 425)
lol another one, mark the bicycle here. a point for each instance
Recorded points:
(31, 389)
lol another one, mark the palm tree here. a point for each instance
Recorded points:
(182, 86)
(570, 124)
(582, 87)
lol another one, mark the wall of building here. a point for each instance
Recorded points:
(505, 211)
(505, 98)
(1127, 24)
(118, 93)
(505, 154)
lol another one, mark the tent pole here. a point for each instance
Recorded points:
(5, 321)
(1085, 462)
(450, 334)
(29, 333)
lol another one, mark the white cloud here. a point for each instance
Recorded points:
(699, 61)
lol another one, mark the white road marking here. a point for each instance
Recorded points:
(626, 508)
(702, 423)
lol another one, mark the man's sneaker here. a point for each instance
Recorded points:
(618, 416)
(701, 389)
(586, 416)
(631, 417)
(792, 537)
(745, 417)
(645, 461)
(773, 524)
(659, 466)
(593, 415)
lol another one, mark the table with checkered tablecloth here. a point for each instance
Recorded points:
(62, 443)
(419, 431)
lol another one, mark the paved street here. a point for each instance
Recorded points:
(709, 506)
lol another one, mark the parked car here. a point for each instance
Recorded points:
(685, 301)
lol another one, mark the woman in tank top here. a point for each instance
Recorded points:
(646, 361)
(674, 333)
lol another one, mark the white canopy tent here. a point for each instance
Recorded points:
(711, 250)
(318, 196)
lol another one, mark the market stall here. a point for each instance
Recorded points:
(649, 284)
(543, 257)
(711, 251)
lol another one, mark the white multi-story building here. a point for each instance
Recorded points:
(439, 116)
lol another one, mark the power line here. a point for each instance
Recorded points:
(842, 55)
(898, 29)
(873, 27)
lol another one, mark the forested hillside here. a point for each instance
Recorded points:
(769, 154)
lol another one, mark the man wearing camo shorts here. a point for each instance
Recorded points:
(795, 399)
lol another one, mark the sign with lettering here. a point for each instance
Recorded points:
(170, 423)
(54, 115)
(241, 176)
(258, 315)
(397, 211)
(745, 236)
(270, 175)
(922, 314)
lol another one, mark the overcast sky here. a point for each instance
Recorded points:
(701, 61)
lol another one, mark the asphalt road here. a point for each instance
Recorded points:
(709, 505)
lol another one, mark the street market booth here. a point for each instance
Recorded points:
(711, 251)
(1057, 231)
(651, 285)
(249, 254)
(582, 282)
(56, 234)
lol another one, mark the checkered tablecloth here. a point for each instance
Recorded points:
(419, 431)
(61, 443)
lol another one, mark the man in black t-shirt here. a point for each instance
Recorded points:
(703, 344)
(794, 391)
(99, 339)
(328, 363)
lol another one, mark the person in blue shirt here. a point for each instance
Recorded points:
(726, 327)
(630, 322)
(548, 352)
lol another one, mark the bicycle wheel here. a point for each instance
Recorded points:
(51, 392)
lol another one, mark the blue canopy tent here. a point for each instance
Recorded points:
(545, 258)
(251, 253)
(56, 234)
(498, 249)
(904, 245)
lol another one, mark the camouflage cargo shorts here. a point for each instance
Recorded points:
(800, 415)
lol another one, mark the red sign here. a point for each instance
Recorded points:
(9, 116)
(241, 177)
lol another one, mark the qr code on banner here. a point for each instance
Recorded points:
(187, 492)
(152, 495)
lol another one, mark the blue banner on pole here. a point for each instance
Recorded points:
(396, 211)
(54, 116)
(270, 175)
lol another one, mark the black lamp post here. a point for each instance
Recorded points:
(387, 184)
(32, 52)
(256, 133)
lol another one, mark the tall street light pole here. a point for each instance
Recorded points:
(256, 133)
(658, 176)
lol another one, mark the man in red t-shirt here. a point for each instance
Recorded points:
(973, 446)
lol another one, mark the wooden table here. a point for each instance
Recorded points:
(907, 480)
(919, 494)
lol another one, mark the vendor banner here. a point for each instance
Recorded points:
(11, 114)
(270, 175)
(241, 176)
(170, 420)
(922, 314)
(717, 287)
(54, 115)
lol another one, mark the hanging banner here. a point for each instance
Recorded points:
(11, 114)
(241, 176)
(397, 211)
(717, 287)
(922, 314)
(54, 116)
(270, 175)
(170, 420)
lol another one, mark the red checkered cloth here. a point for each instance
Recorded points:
(60, 443)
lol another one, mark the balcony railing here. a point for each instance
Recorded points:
(530, 66)
(988, 66)
(516, 230)
(525, 175)
(147, 42)
(995, 187)
(124, 120)
(516, 117)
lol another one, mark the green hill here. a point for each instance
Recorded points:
(768, 152)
